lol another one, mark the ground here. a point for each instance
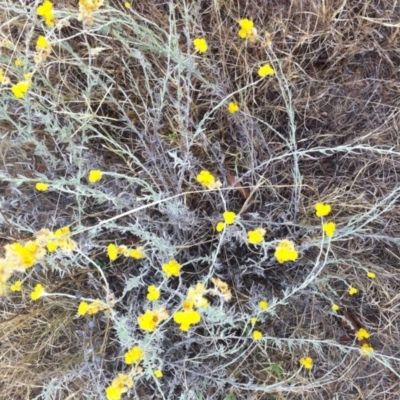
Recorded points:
(124, 91)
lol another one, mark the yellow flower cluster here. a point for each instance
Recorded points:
(153, 293)
(45, 10)
(329, 228)
(186, 318)
(16, 286)
(134, 355)
(266, 70)
(207, 179)
(322, 209)
(151, 318)
(247, 30)
(263, 305)
(95, 175)
(171, 268)
(200, 44)
(257, 335)
(366, 349)
(121, 384)
(86, 9)
(41, 187)
(194, 299)
(38, 292)
(285, 251)
(362, 334)
(352, 290)
(42, 43)
(307, 362)
(256, 236)
(158, 373)
(335, 307)
(113, 252)
(229, 219)
(233, 107)
(58, 240)
(91, 308)
(43, 47)
(19, 257)
(19, 89)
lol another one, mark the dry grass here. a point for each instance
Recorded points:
(152, 113)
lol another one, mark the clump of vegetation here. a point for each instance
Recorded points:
(199, 201)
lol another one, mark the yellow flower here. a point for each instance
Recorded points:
(95, 175)
(112, 251)
(151, 318)
(127, 4)
(352, 290)
(206, 178)
(42, 43)
(229, 217)
(257, 335)
(171, 268)
(335, 307)
(307, 362)
(18, 63)
(83, 307)
(371, 275)
(158, 373)
(137, 254)
(16, 287)
(19, 257)
(41, 187)
(153, 293)
(329, 228)
(263, 305)
(91, 308)
(37, 292)
(256, 236)
(60, 239)
(265, 70)
(254, 320)
(20, 88)
(362, 334)
(322, 210)
(233, 107)
(246, 27)
(246, 24)
(45, 10)
(285, 251)
(220, 226)
(122, 383)
(113, 393)
(200, 44)
(134, 355)
(95, 306)
(187, 318)
(366, 349)
(146, 321)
